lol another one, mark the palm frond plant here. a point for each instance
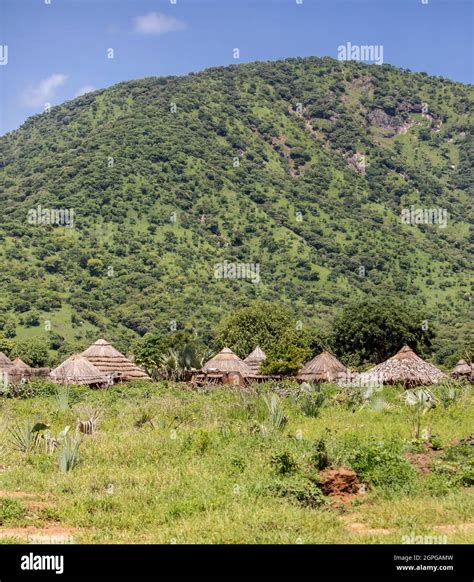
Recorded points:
(176, 364)
(449, 392)
(24, 437)
(419, 401)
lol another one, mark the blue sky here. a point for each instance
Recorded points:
(58, 50)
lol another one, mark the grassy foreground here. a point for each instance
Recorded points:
(172, 465)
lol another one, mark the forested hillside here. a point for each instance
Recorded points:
(300, 166)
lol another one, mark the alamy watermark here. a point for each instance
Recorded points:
(49, 216)
(228, 270)
(414, 215)
(427, 539)
(368, 53)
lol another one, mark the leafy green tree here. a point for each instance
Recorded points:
(95, 267)
(33, 352)
(269, 325)
(6, 344)
(285, 357)
(372, 331)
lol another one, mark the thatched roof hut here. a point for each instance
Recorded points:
(78, 370)
(20, 364)
(406, 368)
(254, 360)
(5, 362)
(462, 370)
(323, 368)
(227, 361)
(110, 361)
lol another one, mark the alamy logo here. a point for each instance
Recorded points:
(428, 539)
(3, 54)
(228, 270)
(414, 215)
(369, 53)
(48, 216)
(35, 562)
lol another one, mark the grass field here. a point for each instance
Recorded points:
(172, 465)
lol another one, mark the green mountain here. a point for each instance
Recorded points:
(299, 169)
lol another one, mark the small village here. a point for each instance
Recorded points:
(102, 365)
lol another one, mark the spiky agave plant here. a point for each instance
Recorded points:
(276, 416)
(24, 437)
(61, 395)
(69, 453)
(310, 399)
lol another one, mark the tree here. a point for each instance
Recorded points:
(6, 344)
(271, 326)
(285, 357)
(372, 331)
(32, 352)
(150, 350)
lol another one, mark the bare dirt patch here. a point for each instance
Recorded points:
(341, 483)
(451, 529)
(53, 534)
(32, 501)
(423, 461)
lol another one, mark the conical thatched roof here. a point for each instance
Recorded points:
(227, 361)
(323, 368)
(5, 362)
(462, 368)
(406, 368)
(78, 370)
(109, 360)
(20, 364)
(254, 360)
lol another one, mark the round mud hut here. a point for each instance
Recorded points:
(227, 361)
(323, 368)
(462, 370)
(255, 359)
(78, 370)
(5, 362)
(406, 368)
(20, 364)
(110, 361)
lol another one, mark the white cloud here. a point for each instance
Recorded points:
(44, 91)
(84, 90)
(155, 23)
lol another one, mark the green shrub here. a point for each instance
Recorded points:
(320, 456)
(298, 489)
(382, 467)
(284, 463)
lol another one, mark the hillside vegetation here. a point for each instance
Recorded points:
(300, 166)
